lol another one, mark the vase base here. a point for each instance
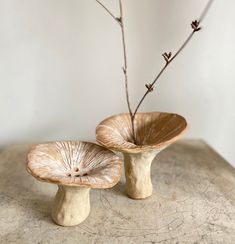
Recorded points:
(138, 197)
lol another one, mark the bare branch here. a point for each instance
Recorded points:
(205, 11)
(167, 56)
(151, 85)
(125, 71)
(120, 21)
(108, 11)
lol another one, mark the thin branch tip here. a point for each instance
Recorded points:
(108, 11)
(168, 56)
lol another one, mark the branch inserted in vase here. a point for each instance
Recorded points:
(167, 56)
(141, 136)
(154, 130)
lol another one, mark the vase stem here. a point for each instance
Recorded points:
(138, 174)
(71, 205)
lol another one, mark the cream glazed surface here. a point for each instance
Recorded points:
(75, 167)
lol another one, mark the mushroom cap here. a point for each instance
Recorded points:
(154, 131)
(74, 163)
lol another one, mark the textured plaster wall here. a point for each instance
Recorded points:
(60, 67)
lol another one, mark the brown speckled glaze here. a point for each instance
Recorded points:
(154, 130)
(74, 163)
(75, 167)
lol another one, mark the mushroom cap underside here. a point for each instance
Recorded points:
(74, 163)
(154, 131)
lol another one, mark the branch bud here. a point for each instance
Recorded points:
(149, 87)
(195, 25)
(167, 56)
(119, 20)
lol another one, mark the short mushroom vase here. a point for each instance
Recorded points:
(154, 131)
(75, 167)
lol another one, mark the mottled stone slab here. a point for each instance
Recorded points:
(193, 202)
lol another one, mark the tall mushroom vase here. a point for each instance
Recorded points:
(154, 132)
(75, 167)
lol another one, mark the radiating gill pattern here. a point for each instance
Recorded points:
(74, 163)
(153, 130)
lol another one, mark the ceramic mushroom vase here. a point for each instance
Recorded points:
(75, 167)
(154, 132)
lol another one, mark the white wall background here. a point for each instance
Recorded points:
(60, 67)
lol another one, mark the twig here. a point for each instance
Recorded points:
(108, 11)
(196, 27)
(125, 56)
(125, 71)
(120, 21)
(151, 86)
(205, 11)
(167, 56)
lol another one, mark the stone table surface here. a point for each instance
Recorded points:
(193, 202)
